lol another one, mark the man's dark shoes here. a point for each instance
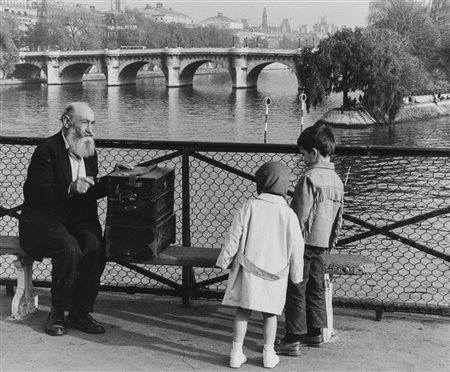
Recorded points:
(84, 322)
(55, 323)
(314, 341)
(282, 347)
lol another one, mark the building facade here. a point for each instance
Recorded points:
(221, 21)
(440, 11)
(164, 15)
(25, 11)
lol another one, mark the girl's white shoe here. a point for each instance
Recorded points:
(270, 358)
(237, 358)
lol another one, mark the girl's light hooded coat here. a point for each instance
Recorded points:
(264, 247)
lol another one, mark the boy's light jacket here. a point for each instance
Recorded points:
(318, 202)
(264, 247)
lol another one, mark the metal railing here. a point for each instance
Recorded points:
(396, 211)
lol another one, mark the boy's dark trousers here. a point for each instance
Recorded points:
(305, 302)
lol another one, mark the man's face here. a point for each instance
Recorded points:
(80, 131)
(82, 122)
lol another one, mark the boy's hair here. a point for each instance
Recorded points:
(319, 137)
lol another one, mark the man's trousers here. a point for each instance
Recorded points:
(78, 261)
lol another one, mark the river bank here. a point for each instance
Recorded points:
(418, 111)
(359, 117)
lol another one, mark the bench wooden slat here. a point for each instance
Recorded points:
(347, 264)
(180, 256)
(335, 263)
(11, 245)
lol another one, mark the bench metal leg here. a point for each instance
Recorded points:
(24, 301)
(10, 289)
(378, 314)
(187, 275)
(328, 332)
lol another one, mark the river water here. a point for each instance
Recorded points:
(209, 111)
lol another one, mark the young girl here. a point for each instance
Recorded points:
(263, 248)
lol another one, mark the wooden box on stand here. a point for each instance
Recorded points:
(140, 221)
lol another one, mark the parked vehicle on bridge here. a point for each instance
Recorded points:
(132, 47)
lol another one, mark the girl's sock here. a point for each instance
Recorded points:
(268, 347)
(236, 347)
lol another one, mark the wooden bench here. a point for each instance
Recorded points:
(25, 301)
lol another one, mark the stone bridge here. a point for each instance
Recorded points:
(178, 64)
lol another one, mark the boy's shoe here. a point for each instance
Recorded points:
(270, 359)
(237, 359)
(314, 341)
(287, 348)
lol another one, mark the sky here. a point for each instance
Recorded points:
(349, 13)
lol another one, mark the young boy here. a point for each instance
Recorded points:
(318, 203)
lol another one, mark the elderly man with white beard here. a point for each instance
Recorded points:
(59, 219)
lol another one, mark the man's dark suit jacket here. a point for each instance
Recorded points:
(47, 202)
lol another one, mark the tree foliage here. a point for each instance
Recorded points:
(46, 35)
(154, 34)
(83, 31)
(374, 61)
(392, 73)
(343, 58)
(314, 79)
(8, 38)
(409, 19)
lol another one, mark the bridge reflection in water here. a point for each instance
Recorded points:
(396, 212)
(177, 64)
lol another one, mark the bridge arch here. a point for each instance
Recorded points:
(28, 71)
(255, 69)
(73, 73)
(128, 70)
(187, 74)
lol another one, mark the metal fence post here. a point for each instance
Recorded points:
(187, 271)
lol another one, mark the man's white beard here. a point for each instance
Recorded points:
(81, 146)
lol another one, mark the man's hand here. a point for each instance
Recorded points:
(81, 185)
(121, 166)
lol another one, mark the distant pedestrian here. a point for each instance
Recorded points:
(264, 248)
(434, 98)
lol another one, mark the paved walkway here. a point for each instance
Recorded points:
(156, 333)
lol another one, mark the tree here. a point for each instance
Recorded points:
(9, 53)
(342, 59)
(443, 63)
(314, 77)
(46, 35)
(409, 19)
(392, 73)
(83, 32)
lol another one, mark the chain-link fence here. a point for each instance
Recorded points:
(396, 212)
